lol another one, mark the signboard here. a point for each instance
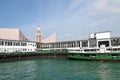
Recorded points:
(102, 35)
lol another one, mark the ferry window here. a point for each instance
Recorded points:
(108, 49)
(114, 49)
(21, 44)
(106, 43)
(115, 42)
(84, 44)
(24, 44)
(33, 45)
(118, 48)
(6, 43)
(17, 43)
(1, 42)
(24, 49)
(9, 43)
(13, 43)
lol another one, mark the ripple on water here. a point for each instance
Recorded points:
(59, 69)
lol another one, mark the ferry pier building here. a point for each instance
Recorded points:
(97, 42)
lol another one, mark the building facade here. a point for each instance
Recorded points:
(13, 40)
(8, 46)
(94, 43)
(12, 34)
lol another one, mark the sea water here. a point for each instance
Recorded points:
(59, 69)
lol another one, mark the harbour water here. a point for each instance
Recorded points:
(59, 69)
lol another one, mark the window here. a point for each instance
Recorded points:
(17, 43)
(10, 43)
(6, 43)
(23, 43)
(1, 42)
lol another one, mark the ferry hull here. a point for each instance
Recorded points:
(85, 59)
(95, 56)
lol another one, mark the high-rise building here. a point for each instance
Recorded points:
(12, 34)
(38, 35)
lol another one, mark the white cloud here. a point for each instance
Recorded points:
(106, 6)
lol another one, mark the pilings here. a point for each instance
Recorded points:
(14, 57)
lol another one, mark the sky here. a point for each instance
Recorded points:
(70, 19)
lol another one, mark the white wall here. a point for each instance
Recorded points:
(92, 35)
(103, 35)
(30, 47)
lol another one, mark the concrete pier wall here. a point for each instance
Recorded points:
(15, 57)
